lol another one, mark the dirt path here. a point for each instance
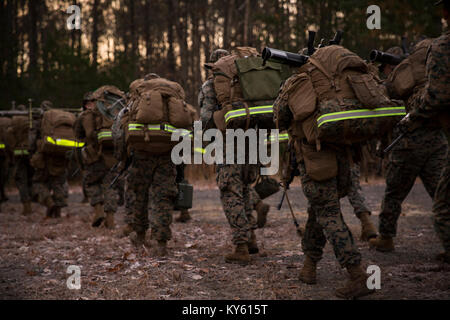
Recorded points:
(35, 255)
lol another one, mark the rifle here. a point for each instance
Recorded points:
(337, 38)
(387, 58)
(311, 38)
(289, 58)
(117, 165)
(404, 131)
(30, 109)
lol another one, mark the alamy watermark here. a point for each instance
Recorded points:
(374, 19)
(241, 147)
(74, 280)
(374, 280)
(74, 20)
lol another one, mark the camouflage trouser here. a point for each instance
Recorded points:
(237, 202)
(3, 176)
(420, 154)
(355, 196)
(325, 221)
(254, 197)
(46, 185)
(23, 178)
(441, 207)
(98, 178)
(159, 174)
(84, 184)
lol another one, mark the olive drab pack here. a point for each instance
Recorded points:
(109, 101)
(157, 108)
(18, 132)
(5, 123)
(246, 89)
(57, 135)
(410, 73)
(335, 98)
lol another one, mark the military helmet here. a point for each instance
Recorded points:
(217, 54)
(46, 105)
(151, 76)
(21, 107)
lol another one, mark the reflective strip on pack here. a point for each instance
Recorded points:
(158, 127)
(104, 135)
(20, 152)
(2, 146)
(360, 114)
(65, 143)
(243, 112)
(281, 137)
(200, 150)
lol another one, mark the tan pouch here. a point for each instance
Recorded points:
(89, 155)
(309, 128)
(179, 114)
(402, 79)
(219, 117)
(150, 108)
(320, 165)
(302, 97)
(368, 91)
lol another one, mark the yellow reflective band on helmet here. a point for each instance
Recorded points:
(361, 114)
(2, 146)
(104, 134)
(281, 137)
(243, 112)
(65, 143)
(20, 152)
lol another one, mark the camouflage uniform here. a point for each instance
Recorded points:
(435, 105)
(355, 196)
(325, 221)
(159, 174)
(23, 177)
(421, 153)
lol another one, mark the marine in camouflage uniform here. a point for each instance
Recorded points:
(208, 104)
(98, 174)
(435, 105)
(50, 172)
(421, 153)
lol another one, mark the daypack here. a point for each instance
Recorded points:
(410, 73)
(156, 109)
(18, 132)
(109, 101)
(246, 89)
(335, 98)
(57, 132)
(5, 123)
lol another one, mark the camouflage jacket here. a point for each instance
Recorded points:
(207, 103)
(436, 95)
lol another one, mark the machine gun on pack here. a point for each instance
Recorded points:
(389, 58)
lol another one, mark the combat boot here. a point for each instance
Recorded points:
(125, 231)
(109, 221)
(444, 257)
(50, 207)
(99, 215)
(308, 273)
(137, 238)
(382, 243)
(252, 244)
(26, 208)
(356, 286)
(368, 230)
(160, 250)
(240, 255)
(262, 209)
(184, 216)
(56, 212)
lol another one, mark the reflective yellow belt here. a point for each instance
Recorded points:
(65, 143)
(243, 112)
(2, 146)
(157, 127)
(281, 137)
(21, 152)
(104, 135)
(360, 114)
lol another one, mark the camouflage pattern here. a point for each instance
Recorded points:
(235, 193)
(208, 104)
(355, 196)
(47, 185)
(217, 54)
(436, 105)
(254, 196)
(23, 177)
(98, 177)
(325, 221)
(159, 174)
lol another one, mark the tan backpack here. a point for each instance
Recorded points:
(5, 141)
(18, 132)
(410, 73)
(157, 108)
(57, 132)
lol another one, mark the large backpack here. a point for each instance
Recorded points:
(109, 101)
(156, 109)
(18, 132)
(246, 89)
(57, 132)
(5, 123)
(335, 98)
